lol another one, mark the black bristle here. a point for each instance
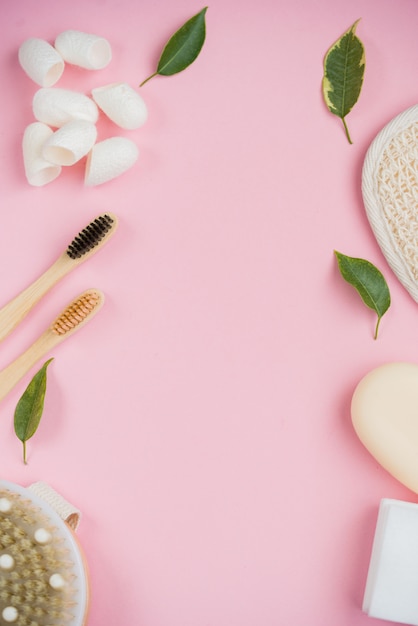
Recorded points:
(90, 236)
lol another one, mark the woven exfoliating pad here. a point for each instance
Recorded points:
(390, 195)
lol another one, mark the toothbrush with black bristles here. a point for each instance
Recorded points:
(83, 246)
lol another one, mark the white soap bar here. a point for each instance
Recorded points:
(392, 583)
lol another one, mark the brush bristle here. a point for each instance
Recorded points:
(37, 586)
(77, 312)
(90, 236)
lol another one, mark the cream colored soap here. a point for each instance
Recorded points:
(384, 411)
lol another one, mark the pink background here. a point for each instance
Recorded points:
(201, 422)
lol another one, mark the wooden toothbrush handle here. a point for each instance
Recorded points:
(13, 373)
(16, 310)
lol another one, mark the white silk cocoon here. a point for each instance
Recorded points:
(38, 170)
(108, 159)
(41, 61)
(122, 104)
(56, 107)
(84, 49)
(70, 142)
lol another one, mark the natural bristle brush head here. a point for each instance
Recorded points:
(90, 240)
(76, 315)
(78, 312)
(92, 235)
(43, 580)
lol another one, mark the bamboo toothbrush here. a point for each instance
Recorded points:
(76, 314)
(83, 246)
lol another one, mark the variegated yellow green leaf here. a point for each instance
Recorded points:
(344, 66)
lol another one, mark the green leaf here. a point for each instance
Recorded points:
(368, 281)
(183, 47)
(344, 66)
(30, 407)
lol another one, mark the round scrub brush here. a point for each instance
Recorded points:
(43, 580)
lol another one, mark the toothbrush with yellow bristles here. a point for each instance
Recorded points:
(74, 316)
(91, 239)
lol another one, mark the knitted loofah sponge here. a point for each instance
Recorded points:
(390, 195)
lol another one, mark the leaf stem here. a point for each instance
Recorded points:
(377, 327)
(24, 453)
(147, 79)
(346, 130)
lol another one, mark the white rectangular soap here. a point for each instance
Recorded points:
(392, 582)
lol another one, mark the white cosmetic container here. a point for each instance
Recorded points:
(392, 583)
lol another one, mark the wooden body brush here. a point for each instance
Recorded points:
(83, 246)
(43, 574)
(74, 316)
